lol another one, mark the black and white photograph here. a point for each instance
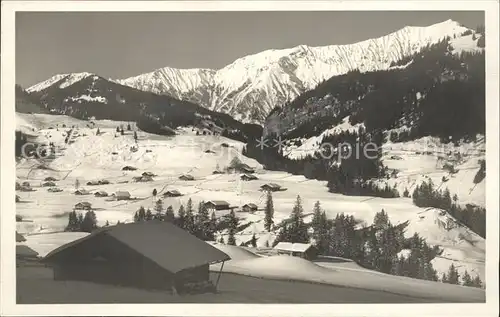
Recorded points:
(211, 155)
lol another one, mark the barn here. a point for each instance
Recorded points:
(248, 177)
(303, 250)
(250, 207)
(271, 187)
(217, 205)
(122, 195)
(172, 193)
(84, 205)
(150, 255)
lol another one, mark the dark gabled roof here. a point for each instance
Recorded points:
(20, 237)
(164, 243)
(25, 251)
(218, 202)
(272, 185)
(251, 205)
(173, 191)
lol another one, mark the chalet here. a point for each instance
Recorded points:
(103, 182)
(148, 174)
(129, 168)
(122, 195)
(26, 184)
(217, 205)
(303, 250)
(54, 190)
(25, 253)
(48, 184)
(172, 193)
(93, 183)
(271, 187)
(216, 172)
(186, 177)
(101, 193)
(250, 207)
(246, 169)
(142, 179)
(50, 179)
(210, 152)
(125, 255)
(84, 205)
(82, 192)
(248, 177)
(20, 237)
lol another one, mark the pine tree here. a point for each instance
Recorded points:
(189, 220)
(230, 239)
(253, 242)
(159, 209)
(73, 224)
(149, 215)
(118, 129)
(136, 217)
(443, 278)
(122, 132)
(107, 223)
(298, 229)
(77, 184)
(135, 136)
(466, 279)
(89, 223)
(181, 220)
(269, 212)
(452, 277)
(155, 192)
(141, 214)
(170, 215)
(129, 127)
(221, 240)
(381, 220)
(476, 282)
(406, 193)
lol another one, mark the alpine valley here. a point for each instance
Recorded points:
(416, 95)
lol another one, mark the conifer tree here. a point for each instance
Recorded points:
(181, 220)
(89, 223)
(159, 210)
(149, 215)
(466, 279)
(189, 220)
(298, 229)
(141, 214)
(170, 215)
(231, 239)
(118, 129)
(107, 223)
(269, 212)
(221, 239)
(452, 277)
(129, 127)
(253, 242)
(476, 282)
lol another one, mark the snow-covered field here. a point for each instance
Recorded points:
(93, 157)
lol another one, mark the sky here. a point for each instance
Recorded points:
(125, 44)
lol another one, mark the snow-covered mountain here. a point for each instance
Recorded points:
(250, 87)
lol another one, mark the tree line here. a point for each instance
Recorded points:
(377, 247)
(472, 216)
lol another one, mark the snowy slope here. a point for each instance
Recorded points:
(250, 87)
(93, 157)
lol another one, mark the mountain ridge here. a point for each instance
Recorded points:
(251, 86)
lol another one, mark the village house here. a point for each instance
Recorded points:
(248, 177)
(125, 255)
(186, 177)
(54, 190)
(82, 192)
(93, 183)
(84, 205)
(50, 179)
(250, 207)
(20, 237)
(103, 182)
(129, 168)
(271, 187)
(303, 250)
(172, 193)
(48, 184)
(246, 169)
(213, 205)
(122, 195)
(101, 193)
(149, 174)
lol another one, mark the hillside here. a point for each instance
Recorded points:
(89, 96)
(250, 87)
(89, 157)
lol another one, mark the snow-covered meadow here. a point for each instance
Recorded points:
(91, 157)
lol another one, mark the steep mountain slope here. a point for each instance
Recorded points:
(86, 95)
(250, 87)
